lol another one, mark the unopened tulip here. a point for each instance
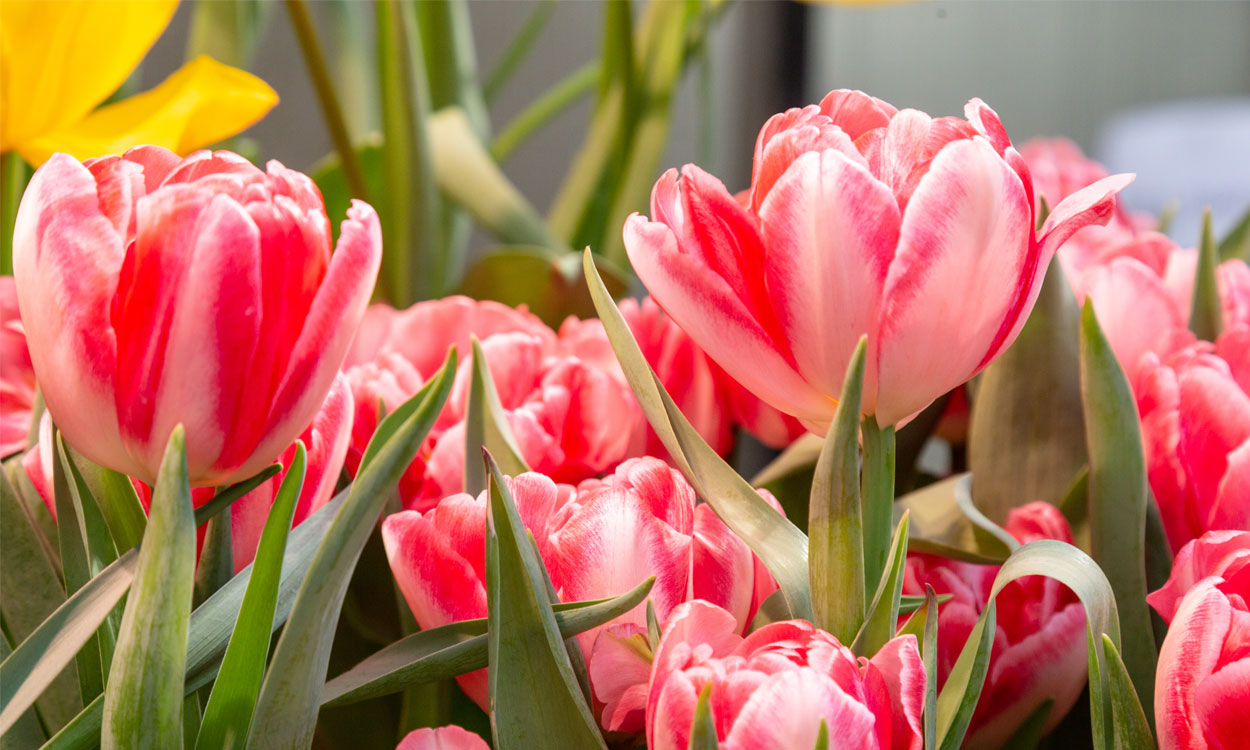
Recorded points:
(157, 291)
(1195, 422)
(860, 220)
(442, 738)
(17, 376)
(774, 688)
(1202, 684)
(597, 540)
(1038, 653)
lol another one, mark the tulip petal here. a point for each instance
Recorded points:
(66, 256)
(61, 59)
(1221, 703)
(619, 668)
(1232, 501)
(1214, 421)
(831, 231)
(1187, 658)
(904, 676)
(442, 738)
(723, 568)
(703, 304)
(856, 112)
(787, 710)
(201, 103)
(786, 137)
(1093, 204)
(326, 335)
(961, 263)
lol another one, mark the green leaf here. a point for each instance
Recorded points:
(1129, 726)
(1074, 569)
(1026, 439)
(777, 541)
(798, 457)
(143, 698)
(654, 632)
(212, 623)
(40, 657)
(1118, 496)
(963, 500)
(1236, 244)
(486, 426)
(228, 32)
(290, 696)
(703, 728)
(458, 648)
(470, 177)
(27, 730)
(535, 698)
(1205, 316)
(332, 181)
(939, 527)
(774, 609)
(230, 705)
(216, 563)
(834, 527)
(882, 619)
(822, 736)
(117, 498)
(878, 496)
(1029, 734)
(410, 208)
(543, 109)
(929, 652)
(552, 287)
(517, 49)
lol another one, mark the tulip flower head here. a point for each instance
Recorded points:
(17, 376)
(860, 220)
(157, 291)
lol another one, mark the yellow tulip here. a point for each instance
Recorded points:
(59, 60)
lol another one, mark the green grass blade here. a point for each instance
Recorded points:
(290, 697)
(535, 697)
(229, 710)
(834, 525)
(456, 649)
(143, 698)
(777, 541)
(1118, 499)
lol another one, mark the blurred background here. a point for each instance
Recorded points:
(1158, 88)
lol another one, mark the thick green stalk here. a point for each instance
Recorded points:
(878, 496)
(13, 177)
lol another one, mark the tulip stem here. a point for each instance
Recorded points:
(878, 497)
(327, 97)
(13, 177)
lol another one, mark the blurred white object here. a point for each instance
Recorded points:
(1187, 155)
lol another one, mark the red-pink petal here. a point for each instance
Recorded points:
(442, 738)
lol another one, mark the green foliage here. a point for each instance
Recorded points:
(1205, 316)
(486, 427)
(703, 729)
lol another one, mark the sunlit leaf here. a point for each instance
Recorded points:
(938, 527)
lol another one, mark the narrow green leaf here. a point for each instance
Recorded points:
(535, 699)
(822, 736)
(290, 696)
(216, 563)
(117, 498)
(411, 205)
(877, 496)
(777, 541)
(801, 455)
(929, 652)
(543, 109)
(774, 609)
(143, 698)
(470, 177)
(654, 632)
(703, 728)
(882, 618)
(834, 527)
(228, 32)
(27, 731)
(229, 710)
(1158, 561)
(1026, 439)
(1074, 569)
(938, 527)
(459, 648)
(517, 49)
(213, 622)
(1118, 496)
(1236, 244)
(486, 426)
(14, 174)
(1205, 316)
(1128, 721)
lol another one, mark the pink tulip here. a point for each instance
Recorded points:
(1202, 683)
(1038, 652)
(157, 291)
(597, 540)
(773, 688)
(17, 376)
(860, 220)
(1195, 422)
(442, 738)
(1223, 553)
(325, 442)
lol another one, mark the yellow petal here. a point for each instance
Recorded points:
(203, 102)
(59, 60)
